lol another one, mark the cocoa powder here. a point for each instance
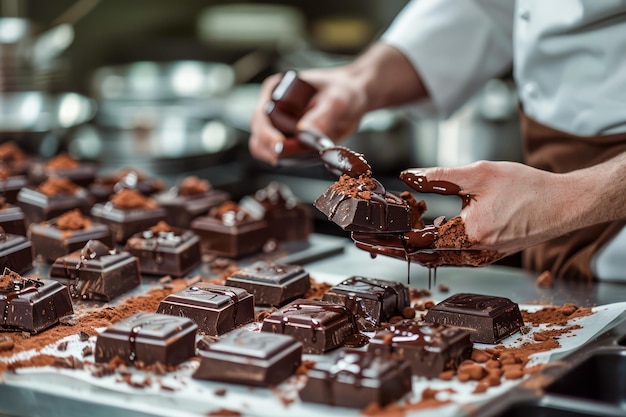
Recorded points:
(57, 186)
(10, 152)
(73, 220)
(452, 235)
(127, 199)
(62, 161)
(193, 186)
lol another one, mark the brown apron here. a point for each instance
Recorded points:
(545, 148)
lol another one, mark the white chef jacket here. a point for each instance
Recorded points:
(568, 57)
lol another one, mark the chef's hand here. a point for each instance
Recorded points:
(514, 206)
(381, 77)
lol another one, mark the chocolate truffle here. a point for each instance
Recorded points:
(31, 305)
(52, 198)
(430, 348)
(192, 197)
(164, 250)
(128, 212)
(488, 318)
(356, 379)
(148, 338)
(288, 218)
(97, 272)
(16, 252)
(231, 232)
(103, 187)
(362, 204)
(12, 218)
(250, 358)
(271, 284)
(63, 166)
(216, 309)
(373, 300)
(319, 325)
(64, 234)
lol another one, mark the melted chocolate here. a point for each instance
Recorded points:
(423, 185)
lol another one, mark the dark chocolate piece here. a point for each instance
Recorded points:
(149, 338)
(128, 212)
(216, 309)
(41, 205)
(96, 272)
(230, 232)
(373, 300)
(250, 358)
(191, 198)
(16, 252)
(271, 284)
(430, 348)
(319, 325)
(356, 379)
(12, 219)
(31, 305)
(103, 187)
(488, 318)
(63, 166)
(170, 251)
(364, 205)
(10, 187)
(51, 241)
(288, 219)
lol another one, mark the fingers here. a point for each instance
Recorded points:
(265, 140)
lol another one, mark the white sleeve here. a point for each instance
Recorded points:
(455, 45)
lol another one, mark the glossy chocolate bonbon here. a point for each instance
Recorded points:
(250, 358)
(216, 309)
(430, 348)
(148, 338)
(488, 318)
(31, 305)
(373, 300)
(52, 198)
(364, 205)
(231, 232)
(271, 284)
(128, 212)
(97, 272)
(163, 250)
(16, 252)
(65, 234)
(357, 379)
(319, 325)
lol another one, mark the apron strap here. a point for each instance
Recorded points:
(568, 256)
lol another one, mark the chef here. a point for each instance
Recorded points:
(566, 207)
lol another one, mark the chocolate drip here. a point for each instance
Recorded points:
(423, 185)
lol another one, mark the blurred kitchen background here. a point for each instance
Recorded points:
(168, 87)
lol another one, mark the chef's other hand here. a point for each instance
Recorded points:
(511, 206)
(381, 77)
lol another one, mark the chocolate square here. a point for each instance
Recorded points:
(319, 325)
(10, 187)
(50, 242)
(149, 338)
(356, 379)
(250, 358)
(271, 284)
(103, 187)
(363, 205)
(175, 253)
(32, 305)
(216, 309)
(429, 348)
(38, 206)
(488, 318)
(12, 219)
(373, 300)
(126, 222)
(230, 240)
(16, 253)
(183, 208)
(96, 272)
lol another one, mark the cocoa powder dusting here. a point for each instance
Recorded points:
(161, 227)
(132, 199)
(355, 187)
(62, 161)
(73, 220)
(545, 280)
(10, 152)
(452, 235)
(57, 186)
(193, 186)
